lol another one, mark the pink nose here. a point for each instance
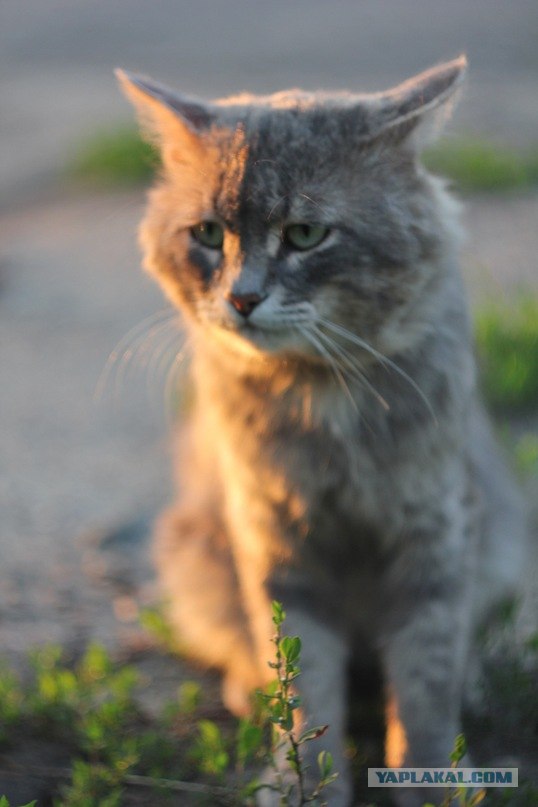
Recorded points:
(244, 303)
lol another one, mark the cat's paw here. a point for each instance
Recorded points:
(236, 695)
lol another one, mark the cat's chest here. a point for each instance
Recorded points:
(346, 472)
(327, 473)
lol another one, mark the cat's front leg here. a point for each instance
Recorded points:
(425, 648)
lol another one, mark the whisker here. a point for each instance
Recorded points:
(309, 199)
(381, 358)
(276, 204)
(353, 369)
(138, 356)
(310, 337)
(160, 364)
(169, 375)
(123, 345)
(171, 382)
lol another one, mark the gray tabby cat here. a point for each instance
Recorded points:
(338, 458)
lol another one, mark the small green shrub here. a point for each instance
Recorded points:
(90, 705)
(477, 165)
(507, 341)
(526, 453)
(114, 157)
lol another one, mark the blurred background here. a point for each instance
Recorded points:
(81, 480)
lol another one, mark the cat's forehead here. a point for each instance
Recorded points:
(281, 161)
(293, 117)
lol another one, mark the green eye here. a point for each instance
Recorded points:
(305, 236)
(209, 234)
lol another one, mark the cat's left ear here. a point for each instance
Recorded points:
(416, 111)
(166, 117)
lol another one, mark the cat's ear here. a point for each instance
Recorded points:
(166, 117)
(416, 110)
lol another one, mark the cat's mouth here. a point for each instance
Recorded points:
(265, 338)
(271, 329)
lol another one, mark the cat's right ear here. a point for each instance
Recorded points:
(167, 119)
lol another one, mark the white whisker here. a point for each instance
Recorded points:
(381, 358)
(125, 346)
(159, 365)
(137, 358)
(352, 368)
(171, 382)
(310, 337)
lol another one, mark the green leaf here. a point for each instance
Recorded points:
(96, 663)
(325, 763)
(210, 749)
(287, 722)
(312, 734)
(290, 647)
(249, 741)
(189, 696)
(459, 750)
(279, 615)
(293, 759)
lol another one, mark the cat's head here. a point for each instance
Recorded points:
(280, 219)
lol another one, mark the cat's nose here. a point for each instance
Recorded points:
(245, 303)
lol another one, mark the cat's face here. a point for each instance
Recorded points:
(281, 220)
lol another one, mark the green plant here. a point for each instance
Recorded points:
(507, 342)
(114, 157)
(475, 164)
(5, 803)
(154, 622)
(90, 707)
(11, 703)
(279, 705)
(526, 453)
(460, 795)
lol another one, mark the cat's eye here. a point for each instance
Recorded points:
(305, 236)
(208, 233)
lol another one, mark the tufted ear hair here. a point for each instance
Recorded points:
(416, 110)
(166, 117)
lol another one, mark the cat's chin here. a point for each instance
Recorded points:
(255, 343)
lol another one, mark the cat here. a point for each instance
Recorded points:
(337, 457)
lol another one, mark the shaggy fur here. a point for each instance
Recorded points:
(337, 458)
